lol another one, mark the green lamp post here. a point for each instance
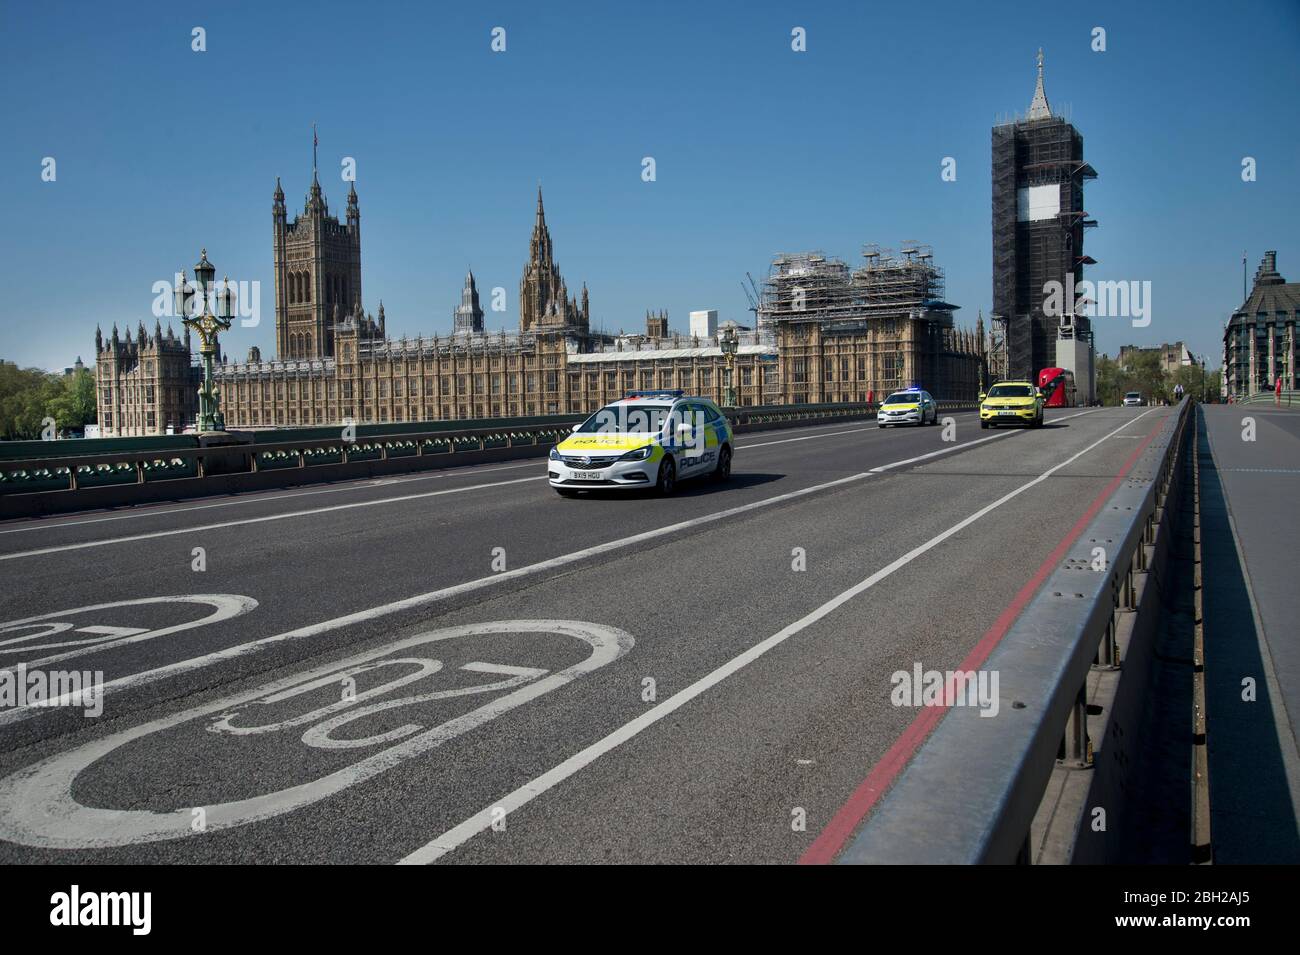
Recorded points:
(207, 325)
(729, 342)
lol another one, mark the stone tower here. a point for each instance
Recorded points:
(317, 272)
(656, 324)
(1039, 220)
(543, 297)
(469, 316)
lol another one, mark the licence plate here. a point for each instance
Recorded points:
(1007, 414)
(588, 475)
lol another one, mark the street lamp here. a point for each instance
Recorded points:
(207, 325)
(729, 342)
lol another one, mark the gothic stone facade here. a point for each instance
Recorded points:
(335, 361)
(144, 385)
(317, 273)
(1259, 340)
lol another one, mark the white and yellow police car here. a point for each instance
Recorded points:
(649, 439)
(909, 406)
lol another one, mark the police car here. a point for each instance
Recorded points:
(649, 439)
(910, 406)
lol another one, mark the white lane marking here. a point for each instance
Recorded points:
(457, 836)
(225, 607)
(433, 596)
(934, 454)
(81, 545)
(113, 631)
(58, 548)
(38, 808)
(828, 434)
(268, 497)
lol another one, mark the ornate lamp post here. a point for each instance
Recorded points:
(207, 325)
(729, 342)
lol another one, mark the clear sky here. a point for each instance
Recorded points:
(758, 149)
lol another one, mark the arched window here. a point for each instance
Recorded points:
(306, 343)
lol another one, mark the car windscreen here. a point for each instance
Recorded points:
(903, 399)
(1011, 391)
(1134, 394)
(625, 419)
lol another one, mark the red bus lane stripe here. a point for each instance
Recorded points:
(882, 775)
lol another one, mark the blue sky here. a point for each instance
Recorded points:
(161, 150)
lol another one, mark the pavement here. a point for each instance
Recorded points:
(461, 666)
(1250, 476)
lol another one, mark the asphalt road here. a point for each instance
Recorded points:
(698, 679)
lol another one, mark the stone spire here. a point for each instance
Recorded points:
(469, 315)
(1039, 109)
(539, 249)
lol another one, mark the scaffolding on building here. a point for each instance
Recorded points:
(1036, 245)
(847, 334)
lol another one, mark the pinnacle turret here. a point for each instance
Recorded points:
(1038, 109)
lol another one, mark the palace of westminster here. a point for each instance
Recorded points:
(824, 334)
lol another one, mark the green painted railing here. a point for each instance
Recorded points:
(43, 466)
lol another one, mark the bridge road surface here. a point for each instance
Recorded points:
(1250, 526)
(232, 741)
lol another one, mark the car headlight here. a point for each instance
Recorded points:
(555, 454)
(640, 454)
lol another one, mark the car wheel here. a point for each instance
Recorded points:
(984, 425)
(667, 481)
(723, 471)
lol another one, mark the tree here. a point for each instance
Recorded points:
(28, 396)
(74, 405)
(1144, 373)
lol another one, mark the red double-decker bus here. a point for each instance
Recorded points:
(1058, 385)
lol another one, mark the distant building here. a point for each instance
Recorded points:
(1172, 357)
(468, 319)
(1038, 226)
(1259, 340)
(704, 324)
(146, 384)
(77, 367)
(317, 272)
(878, 329)
(656, 324)
(846, 335)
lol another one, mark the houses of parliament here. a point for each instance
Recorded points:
(336, 362)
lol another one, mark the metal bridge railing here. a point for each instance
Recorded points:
(71, 471)
(971, 792)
